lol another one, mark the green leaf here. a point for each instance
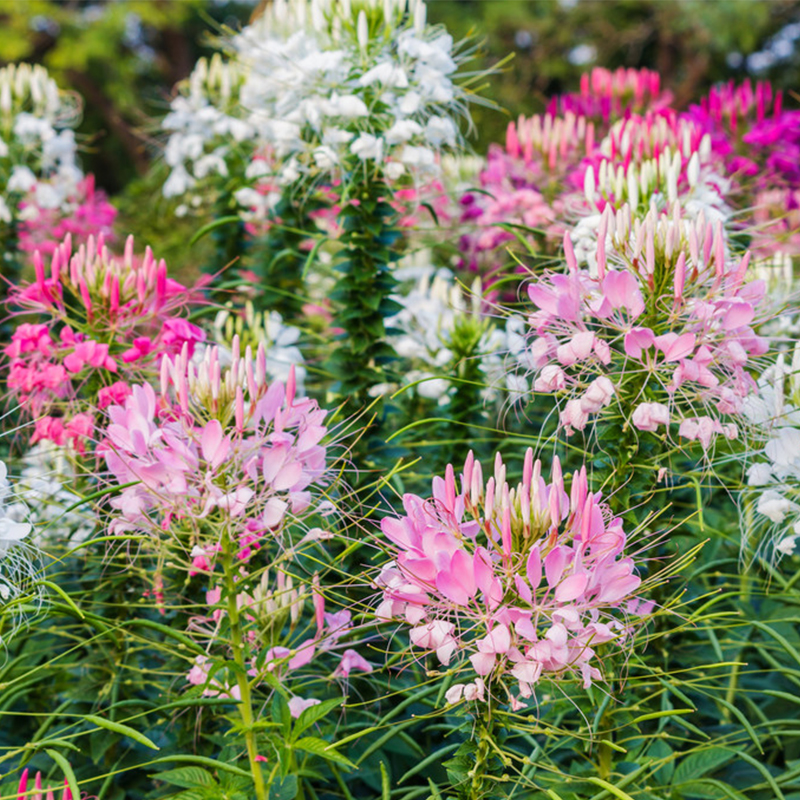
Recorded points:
(312, 714)
(696, 765)
(285, 789)
(321, 748)
(203, 761)
(711, 789)
(217, 223)
(186, 777)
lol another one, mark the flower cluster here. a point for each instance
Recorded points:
(37, 145)
(214, 444)
(328, 81)
(18, 571)
(105, 318)
(268, 329)
(85, 212)
(204, 125)
(314, 85)
(526, 582)
(773, 498)
(37, 792)
(606, 95)
(756, 136)
(523, 184)
(664, 327)
(44, 187)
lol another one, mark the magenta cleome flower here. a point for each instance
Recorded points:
(522, 582)
(105, 321)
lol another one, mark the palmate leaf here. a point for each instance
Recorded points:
(187, 777)
(323, 749)
(312, 715)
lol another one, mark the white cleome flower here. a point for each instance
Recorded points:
(376, 74)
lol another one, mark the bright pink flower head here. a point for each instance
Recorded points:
(105, 322)
(522, 582)
(37, 792)
(86, 213)
(606, 95)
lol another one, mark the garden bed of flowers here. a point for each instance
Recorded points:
(441, 475)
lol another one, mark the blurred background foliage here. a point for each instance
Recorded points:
(125, 56)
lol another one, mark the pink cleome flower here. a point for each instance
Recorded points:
(105, 320)
(523, 583)
(663, 330)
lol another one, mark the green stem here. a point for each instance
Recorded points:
(361, 294)
(483, 754)
(237, 642)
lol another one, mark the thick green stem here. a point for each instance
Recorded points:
(361, 294)
(483, 755)
(246, 701)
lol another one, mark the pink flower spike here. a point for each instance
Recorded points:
(650, 253)
(719, 250)
(569, 253)
(680, 276)
(506, 534)
(23, 783)
(291, 386)
(741, 270)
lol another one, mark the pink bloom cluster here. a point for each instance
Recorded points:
(752, 131)
(620, 141)
(105, 320)
(523, 183)
(260, 611)
(656, 156)
(214, 444)
(524, 582)
(606, 95)
(86, 213)
(664, 326)
(37, 792)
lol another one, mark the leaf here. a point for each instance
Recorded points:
(696, 765)
(711, 789)
(122, 730)
(217, 223)
(285, 789)
(206, 762)
(320, 747)
(312, 714)
(186, 777)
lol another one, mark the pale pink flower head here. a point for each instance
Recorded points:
(668, 321)
(215, 448)
(517, 584)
